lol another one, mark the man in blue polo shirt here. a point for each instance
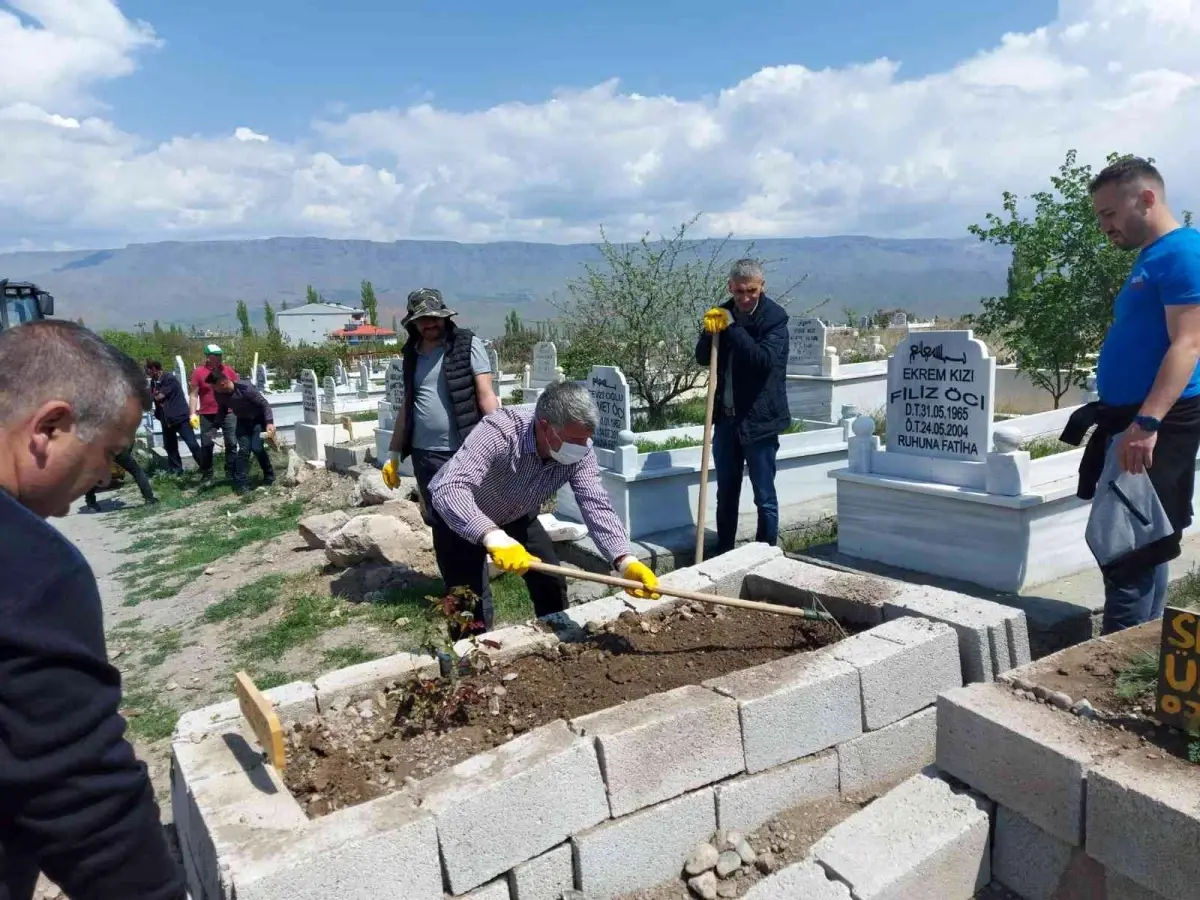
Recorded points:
(1147, 375)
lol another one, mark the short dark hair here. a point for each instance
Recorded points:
(216, 376)
(153, 364)
(58, 360)
(1126, 171)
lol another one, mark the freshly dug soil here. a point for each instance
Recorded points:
(365, 751)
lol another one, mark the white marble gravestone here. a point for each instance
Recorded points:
(545, 364)
(308, 388)
(394, 383)
(181, 373)
(339, 373)
(899, 320)
(364, 378)
(260, 377)
(609, 389)
(941, 396)
(328, 393)
(806, 345)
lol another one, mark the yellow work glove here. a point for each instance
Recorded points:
(507, 554)
(195, 422)
(717, 319)
(391, 474)
(634, 570)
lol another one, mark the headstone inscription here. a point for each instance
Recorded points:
(545, 364)
(329, 393)
(941, 396)
(364, 379)
(308, 389)
(610, 390)
(1177, 699)
(806, 345)
(393, 386)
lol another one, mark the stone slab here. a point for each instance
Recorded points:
(745, 803)
(851, 598)
(664, 745)
(902, 665)
(1037, 865)
(1121, 888)
(294, 702)
(515, 641)
(728, 571)
(501, 808)
(571, 624)
(335, 690)
(801, 881)
(881, 759)
(545, 877)
(688, 579)
(794, 707)
(1143, 821)
(1031, 758)
(643, 849)
(493, 890)
(918, 841)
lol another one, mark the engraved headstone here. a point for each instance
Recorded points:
(545, 364)
(393, 386)
(308, 389)
(941, 396)
(260, 377)
(806, 345)
(899, 320)
(339, 373)
(610, 390)
(329, 394)
(364, 379)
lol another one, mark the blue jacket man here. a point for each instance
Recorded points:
(751, 408)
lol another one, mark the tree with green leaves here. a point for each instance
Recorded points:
(283, 305)
(1064, 276)
(243, 317)
(311, 295)
(370, 305)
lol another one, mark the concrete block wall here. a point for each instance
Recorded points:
(660, 773)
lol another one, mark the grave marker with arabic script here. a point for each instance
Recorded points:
(610, 390)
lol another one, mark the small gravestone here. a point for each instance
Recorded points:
(610, 390)
(1177, 700)
(260, 377)
(806, 345)
(545, 364)
(899, 320)
(308, 389)
(940, 396)
(181, 372)
(393, 385)
(364, 379)
(328, 394)
(864, 322)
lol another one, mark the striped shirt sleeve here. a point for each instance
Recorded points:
(596, 509)
(462, 476)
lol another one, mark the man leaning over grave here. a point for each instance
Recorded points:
(751, 408)
(1147, 378)
(486, 499)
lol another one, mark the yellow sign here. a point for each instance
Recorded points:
(260, 713)
(1178, 700)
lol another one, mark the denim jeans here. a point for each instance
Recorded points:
(730, 458)
(1135, 599)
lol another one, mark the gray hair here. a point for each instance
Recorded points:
(58, 360)
(566, 403)
(746, 269)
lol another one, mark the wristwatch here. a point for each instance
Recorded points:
(1148, 424)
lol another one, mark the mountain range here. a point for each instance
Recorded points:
(199, 283)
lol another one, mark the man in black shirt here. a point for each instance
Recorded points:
(254, 420)
(74, 801)
(171, 408)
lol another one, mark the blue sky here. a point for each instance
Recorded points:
(275, 65)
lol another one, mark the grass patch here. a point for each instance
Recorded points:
(266, 679)
(1140, 678)
(164, 644)
(687, 412)
(251, 599)
(510, 603)
(149, 718)
(350, 655)
(1042, 447)
(683, 443)
(1185, 593)
(367, 415)
(822, 531)
(183, 490)
(308, 616)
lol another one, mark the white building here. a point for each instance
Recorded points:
(313, 322)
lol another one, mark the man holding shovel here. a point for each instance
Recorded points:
(487, 497)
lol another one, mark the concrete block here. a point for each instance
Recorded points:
(643, 849)
(801, 881)
(543, 878)
(501, 808)
(493, 890)
(1143, 821)
(793, 707)
(383, 848)
(570, 624)
(336, 690)
(745, 803)
(515, 641)
(688, 579)
(902, 665)
(1018, 639)
(1121, 888)
(230, 750)
(1030, 758)
(294, 702)
(664, 745)
(851, 598)
(1038, 865)
(918, 841)
(881, 759)
(982, 626)
(728, 571)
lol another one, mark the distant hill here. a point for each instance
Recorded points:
(199, 283)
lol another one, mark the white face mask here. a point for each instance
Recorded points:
(569, 454)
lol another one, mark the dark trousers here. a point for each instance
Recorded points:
(171, 435)
(730, 457)
(210, 427)
(249, 436)
(126, 461)
(1134, 598)
(463, 564)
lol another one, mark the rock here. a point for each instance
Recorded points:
(404, 510)
(1040, 692)
(766, 862)
(374, 578)
(728, 863)
(403, 622)
(172, 686)
(1059, 699)
(701, 859)
(704, 886)
(1084, 710)
(743, 849)
(686, 614)
(727, 889)
(379, 538)
(317, 530)
(210, 571)
(297, 471)
(373, 491)
(1021, 684)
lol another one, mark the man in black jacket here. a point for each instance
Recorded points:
(172, 410)
(254, 420)
(751, 408)
(74, 801)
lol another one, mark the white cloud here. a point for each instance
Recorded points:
(787, 151)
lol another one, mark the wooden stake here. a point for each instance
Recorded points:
(706, 448)
(260, 713)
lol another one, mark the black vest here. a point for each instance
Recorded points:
(460, 383)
